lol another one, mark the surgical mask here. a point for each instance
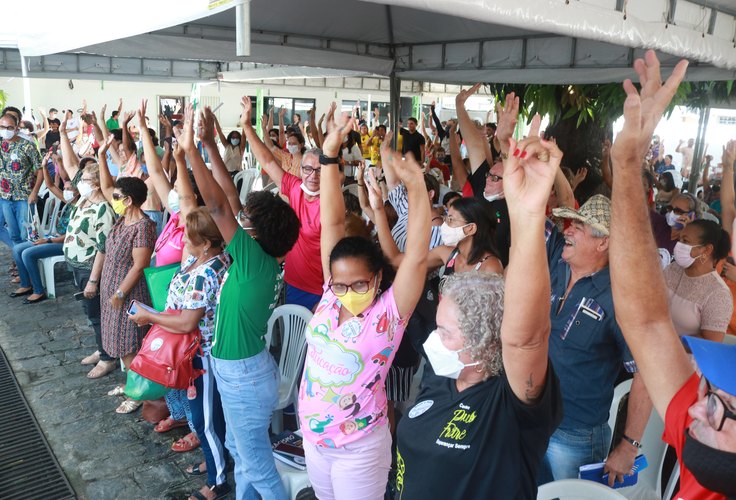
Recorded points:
(493, 197)
(356, 302)
(682, 254)
(234, 141)
(451, 236)
(672, 220)
(84, 189)
(445, 362)
(292, 148)
(68, 196)
(172, 200)
(309, 191)
(7, 134)
(714, 469)
(118, 206)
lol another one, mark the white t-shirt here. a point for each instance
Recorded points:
(72, 129)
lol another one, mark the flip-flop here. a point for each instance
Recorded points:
(195, 469)
(101, 369)
(187, 443)
(220, 491)
(169, 423)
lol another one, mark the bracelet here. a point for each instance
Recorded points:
(94, 282)
(326, 160)
(359, 184)
(632, 442)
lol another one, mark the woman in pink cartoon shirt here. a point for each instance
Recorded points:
(353, 337)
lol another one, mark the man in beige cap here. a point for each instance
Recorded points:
(587, 349)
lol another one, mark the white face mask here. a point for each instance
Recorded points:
(308, 191)
(493, 197)
(445, 363)
(292, 148)
(68, 196)
(84, 189)
(234, 141)
(451, 236)
(7, 134)
(172, 200)
(682, 254)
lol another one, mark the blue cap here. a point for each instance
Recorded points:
(716, 361)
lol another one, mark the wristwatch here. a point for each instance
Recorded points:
(326, 160)
(632, 442)
(119, 294)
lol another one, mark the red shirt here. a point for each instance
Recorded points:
(675, 422)
(442, 167)
(303, 268)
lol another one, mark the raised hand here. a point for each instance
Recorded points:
(103, 111)
(207, 125)
(407, 168)
(105, 145)
(375, 195)
(342, 125)
(508, 115)
(62, 127)
(164, 120)
(282, 112)
(186, 139)
(643, 109)
(141, 113)
(245, 117)
(463, 95)
(127, 116)
(729, 154)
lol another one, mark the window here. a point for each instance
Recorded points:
(383, 110)
(292, 107)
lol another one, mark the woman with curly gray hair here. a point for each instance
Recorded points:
(489, 399)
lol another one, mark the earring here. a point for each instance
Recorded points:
(479, 369)
(205, 251)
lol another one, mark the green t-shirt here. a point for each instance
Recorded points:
(248, 295)
(112, 124)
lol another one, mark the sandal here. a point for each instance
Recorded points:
(196, 469)
(16, 293)
(92, 359)
(219, 491)
(128, 406)
(187, 443)
(118, 391)
(101, 369)
(15, 280)
(169, 423)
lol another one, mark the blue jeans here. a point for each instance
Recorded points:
(570, 448)
(299, 297)
(4, 234)
(249, 389)
(16, 216)
(26, 257)
(178, 405)
(209, 421)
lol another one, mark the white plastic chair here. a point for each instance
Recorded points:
(619, 392)
(46, 267)
(247, 178)
(352, 189)
(577, 489)
(729, 339)
(669, 490)
(293, 320)
(50, 215)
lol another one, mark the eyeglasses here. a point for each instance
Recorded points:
(715, 408)
(360, 287)
(244, 220)
(678, 211)
(450, 220)
(9, 127)
(309, 170)
(118, 196)
(494, 177)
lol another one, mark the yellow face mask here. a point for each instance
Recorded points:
(118, 206)
(356, 302)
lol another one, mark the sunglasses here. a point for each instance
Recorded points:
(118, 196)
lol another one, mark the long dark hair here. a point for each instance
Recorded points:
(479, 213)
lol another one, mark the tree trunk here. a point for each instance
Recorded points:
(581, 148)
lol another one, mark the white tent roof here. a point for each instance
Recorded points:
(453, 41)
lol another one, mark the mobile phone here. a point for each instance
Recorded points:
(133, 307)
(79, 296)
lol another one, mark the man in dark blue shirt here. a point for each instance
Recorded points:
(587, 348)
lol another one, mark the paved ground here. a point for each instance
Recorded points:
(104, 455)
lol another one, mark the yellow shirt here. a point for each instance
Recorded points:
(365, 146)
(376, 150)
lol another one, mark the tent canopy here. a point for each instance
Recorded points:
(453, 41)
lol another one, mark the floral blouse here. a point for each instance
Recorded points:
(19, 161)
(198, 289)
(86, 233)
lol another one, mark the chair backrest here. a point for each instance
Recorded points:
(352, 189)
(248, 177)
(729, 339)
(50, 214)
(577, 489)
(619, 392)
(669, 490)
(654, 449)
(293, 320)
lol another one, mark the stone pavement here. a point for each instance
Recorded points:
(104, 455)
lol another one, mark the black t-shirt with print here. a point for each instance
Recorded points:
(499, 210)
(480, 443)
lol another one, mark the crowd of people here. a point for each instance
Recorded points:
(464, 247)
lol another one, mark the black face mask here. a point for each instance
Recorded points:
(714, 469)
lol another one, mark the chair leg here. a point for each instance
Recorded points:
(277, 422)
(48, 268)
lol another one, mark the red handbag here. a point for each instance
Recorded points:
(166, 358)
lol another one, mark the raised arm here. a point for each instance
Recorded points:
(223, 139)
(527, 181)
(728, 197)
(127, 139)
(606, 163)
(314, 128)
(53, 188)
(107, 185)
(155, 170)
(260, 151)
(508, 116)
(437, 123)
(282, 135)
(214, 197)
(332, 204)
(459, 172)
(639, 293)
(392, 179)
(219, 170)
(563, 190)
(42, 133)
(473, 140)
(71, 161)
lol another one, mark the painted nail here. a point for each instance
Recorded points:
(517, 152)
(523, 155)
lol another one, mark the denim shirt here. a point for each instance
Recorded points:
(586, 345)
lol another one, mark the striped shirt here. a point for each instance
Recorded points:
(400, 201)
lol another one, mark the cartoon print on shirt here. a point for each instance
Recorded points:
(329, 363)
(382, 357)
(373, 385)
(350, 426)
(344, 402)
(318, 426)
(383, 325)
(351, 330)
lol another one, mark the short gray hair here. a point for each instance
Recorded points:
(311, 152)
(479, 300)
